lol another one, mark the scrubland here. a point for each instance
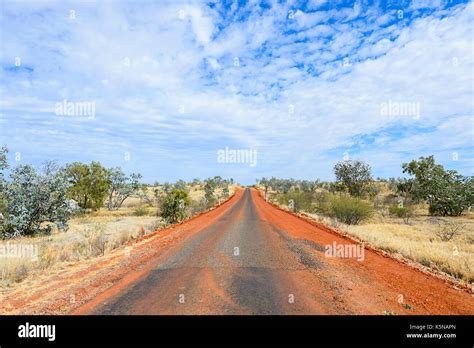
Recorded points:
(90, 235)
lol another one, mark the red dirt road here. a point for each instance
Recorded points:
(249, 257)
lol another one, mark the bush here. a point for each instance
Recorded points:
(350, 210)
(197, 206)
(301, 200)
(402, 212)
(225, 191)
(48, 257)
(323, 202)
(173, 208)
(153, 226)
(209, 201)
(21, 272)
(36, 201)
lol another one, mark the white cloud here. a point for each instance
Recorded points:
(202, 25)
(182, 89)
(315, 4)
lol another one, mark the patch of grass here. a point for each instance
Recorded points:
(140, 211)
(88, 237)
(21, 272)
(122, 238)
(443, 244)
(15, 270)
(449, 230)
(95, 241)
(197, 207)
(417, 242)
(48, 256)
(154, 226)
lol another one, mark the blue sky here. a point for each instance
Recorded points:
(300, 82)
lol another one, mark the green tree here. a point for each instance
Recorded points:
(353, 176)
(121, 187)
(89, 184)
(209, 187)
(446, 191)
(181, 185)
(308, 186)
(281, 185)
(225, 191)
(286, 185)
(3, 166)
(218, 180)
(266, 185)
(3, 160)
(36, 201)
(173, 207)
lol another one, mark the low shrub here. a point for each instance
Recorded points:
(173, 209)
(197, 207)
(404, 213)
(210, 201)
(350, 210)
(323, 202)
(301, 200)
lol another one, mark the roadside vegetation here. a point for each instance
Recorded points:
(81, 211)
(424, 217)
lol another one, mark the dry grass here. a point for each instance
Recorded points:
(87, 237)
(444, 244)
(90, 235)
(422, 241)
(196, 193)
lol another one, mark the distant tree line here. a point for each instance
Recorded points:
(446, 192)
(174, 201)
(34, 202)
